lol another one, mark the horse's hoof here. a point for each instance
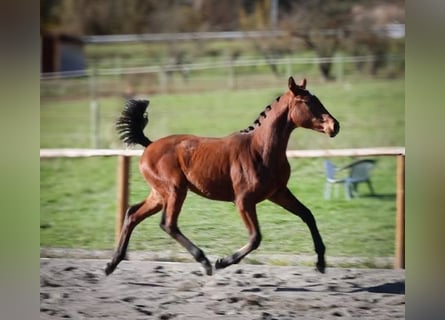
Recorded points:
(208, 267)
(220, 264)
(321, 267)
(209, 270)
(109, 269)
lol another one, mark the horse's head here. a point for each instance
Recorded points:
(307, 111)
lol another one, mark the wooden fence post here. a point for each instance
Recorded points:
(94, 108)
(123, 173)
(400, 214)
(231, 74)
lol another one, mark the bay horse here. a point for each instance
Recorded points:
(245, 168)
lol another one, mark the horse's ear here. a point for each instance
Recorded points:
(303, 83)
(292, 85)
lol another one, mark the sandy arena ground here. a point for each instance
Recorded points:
(78, 289)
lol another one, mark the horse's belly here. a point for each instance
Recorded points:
(215, 189)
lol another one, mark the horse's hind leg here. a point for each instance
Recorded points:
(249, 216)
(288, 201)
(133, 216)
(169, 224)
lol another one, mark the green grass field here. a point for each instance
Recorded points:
(78, 196)
(371, 114)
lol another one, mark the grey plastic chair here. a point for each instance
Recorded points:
(359, 172)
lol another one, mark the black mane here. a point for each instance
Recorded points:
(257, 121)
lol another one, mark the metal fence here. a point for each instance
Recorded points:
(208, 75)
(96, 82)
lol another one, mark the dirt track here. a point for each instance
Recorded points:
(78, 289)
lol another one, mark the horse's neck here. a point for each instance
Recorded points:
(271, 137)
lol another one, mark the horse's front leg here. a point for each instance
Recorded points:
(249, 216)
(289, 202)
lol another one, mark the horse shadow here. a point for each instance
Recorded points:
(397, 287)
(380, 196)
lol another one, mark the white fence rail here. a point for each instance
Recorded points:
(124, 167)
(161, 37)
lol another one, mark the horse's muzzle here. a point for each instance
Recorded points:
(336, 129)
(332, 128)
(329, 125)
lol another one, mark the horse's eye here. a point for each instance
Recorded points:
(309, 99)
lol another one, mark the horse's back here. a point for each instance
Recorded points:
(198, 163)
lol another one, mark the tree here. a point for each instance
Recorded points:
(321, 25)
(86, 17)
(356, 26)
(368, 31)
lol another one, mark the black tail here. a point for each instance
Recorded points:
(130, 125)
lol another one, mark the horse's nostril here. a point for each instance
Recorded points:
(336, 127)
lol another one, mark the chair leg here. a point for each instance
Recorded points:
(327, 191)
(348, 190)
(354, 190)
(370, 187)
